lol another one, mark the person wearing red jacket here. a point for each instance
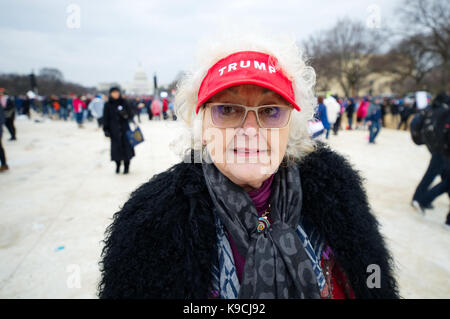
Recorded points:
(165, 107)
(78, 106)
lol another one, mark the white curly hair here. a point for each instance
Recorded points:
(292, 62)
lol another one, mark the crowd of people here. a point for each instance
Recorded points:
(88, 106)
(429, 126)
(369, 112)
(80, 108)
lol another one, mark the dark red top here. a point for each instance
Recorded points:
(340, 288)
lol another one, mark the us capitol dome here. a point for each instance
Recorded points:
(140, 84)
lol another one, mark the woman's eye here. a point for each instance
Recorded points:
(270, 111)
(226, 109)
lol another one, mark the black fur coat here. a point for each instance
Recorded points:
(162, 242)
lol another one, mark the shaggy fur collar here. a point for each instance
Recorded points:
(162, 242)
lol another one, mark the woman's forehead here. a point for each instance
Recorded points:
(247, 93)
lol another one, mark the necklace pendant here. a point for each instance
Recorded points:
(263, 223)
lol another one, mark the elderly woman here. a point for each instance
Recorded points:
(257, 209)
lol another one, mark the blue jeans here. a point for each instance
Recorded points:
(435, 168)
(374, 129)
(436, 191)
(63, 113)
(79, 117)
(441, 188)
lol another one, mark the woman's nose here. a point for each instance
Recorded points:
(250, 125)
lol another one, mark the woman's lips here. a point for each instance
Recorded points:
(248, 152)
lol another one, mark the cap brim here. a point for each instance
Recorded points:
(241, 82)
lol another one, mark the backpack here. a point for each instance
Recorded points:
(415, 127)
(436, 130)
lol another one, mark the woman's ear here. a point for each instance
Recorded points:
(203, 126)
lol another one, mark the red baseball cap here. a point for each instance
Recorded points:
(246, 67)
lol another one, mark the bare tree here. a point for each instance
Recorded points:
(316, 52)
(19, 84)
(51, 74)
(429, 22)
(173, 84)
(343, 53)
(408, 62)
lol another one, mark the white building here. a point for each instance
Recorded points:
(140, 84)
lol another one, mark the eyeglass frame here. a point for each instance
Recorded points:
(247, 109)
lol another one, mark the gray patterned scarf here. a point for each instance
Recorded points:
(276, 265)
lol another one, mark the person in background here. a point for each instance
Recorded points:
(86, 100)
(96, 108)
(26, 104)
(395, 107)
(383, 105)
(435, 135)
(56, 106)
(134, 105)
(322, 116)
(350, 110)
(156, 108)
(337, 124)
(172, 110)
(70, 113)
(45, 106)
(78, 110)
(4, 166)
(140, 107)
(148, 107)
(405, 112)
(7, 103)
(116, 115)
(362, 112)
(333, 110)
(373, 119)
(63, 107)
(18, 101)
(165, 103)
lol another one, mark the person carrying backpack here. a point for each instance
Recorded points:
(431, 127)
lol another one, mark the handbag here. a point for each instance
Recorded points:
(135, 135)
(315, 128)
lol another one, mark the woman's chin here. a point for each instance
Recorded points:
(249, 173)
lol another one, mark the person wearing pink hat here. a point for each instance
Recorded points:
(257, 208)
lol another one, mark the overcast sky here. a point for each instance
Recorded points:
(114, 36)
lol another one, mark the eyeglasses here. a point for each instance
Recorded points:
(226, 115)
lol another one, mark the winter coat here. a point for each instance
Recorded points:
(165, 104)
(322, 115)
(2, 120)
(78, 105)
(350, 109)
(373, 113)
(116, 115)
(96, 107)
(63, 102)
(333, 109)
(10, 108)
(163, 240)
(156, 107)
(362, 109)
